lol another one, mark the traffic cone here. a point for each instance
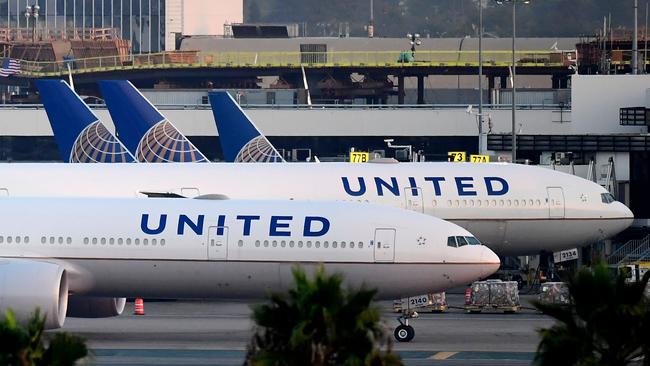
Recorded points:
(468, 295)
(139, 306)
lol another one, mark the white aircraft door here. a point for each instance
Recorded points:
(413, 197)
(384, 245)
(217, 243)
(555, 202)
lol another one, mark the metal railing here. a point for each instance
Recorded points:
(632, 251)
(196, 59)
(459, 107)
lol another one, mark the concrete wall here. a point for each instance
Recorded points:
(325, 122)
(596, 100)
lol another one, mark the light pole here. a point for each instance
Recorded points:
(514, 73)
(482, 138)
(32, 11)
(414, 40)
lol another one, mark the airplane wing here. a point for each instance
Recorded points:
(241, 140)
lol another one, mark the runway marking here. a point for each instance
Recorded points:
(442, 355)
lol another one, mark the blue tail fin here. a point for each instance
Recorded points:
(144, 130)
(80, 135)
(241, 141)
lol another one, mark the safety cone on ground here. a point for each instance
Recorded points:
(139, 306)
(468, 295)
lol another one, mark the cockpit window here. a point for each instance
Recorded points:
(472, 240)
(451, 242)
(461, 241)
(607, 198)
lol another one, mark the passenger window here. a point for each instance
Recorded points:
(300, 244)
(326, 244)
(266, 243)
(472, 240)
(51, 239)
(308, 244)
(291, 244)
(128, 241)
(145, 241)
(111, 241)
(137, 242)
(154, 241)
(461, 241)
(334, 244)
(360, 244)
(103, 241)
(283, 243)
(275, 243)
(317, 244)
(162, 242)
(351, 244)
(120, 241)
(257, 243)
(451, 242)
(18, 240)
(86, 240)
(9, 240)
(68, 240)
(43, 240)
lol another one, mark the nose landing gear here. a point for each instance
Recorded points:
(404, 332)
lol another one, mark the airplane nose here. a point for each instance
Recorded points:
(490, 261)
(626, 215)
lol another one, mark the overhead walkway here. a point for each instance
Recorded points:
(435, 62)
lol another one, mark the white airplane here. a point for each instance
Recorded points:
(101, 250)
(513, 209)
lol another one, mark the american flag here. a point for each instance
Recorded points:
(9, 67)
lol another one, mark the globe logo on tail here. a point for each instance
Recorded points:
(163, 143)
(95, 144)
(258, 150)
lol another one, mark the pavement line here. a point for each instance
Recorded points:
(442, 355)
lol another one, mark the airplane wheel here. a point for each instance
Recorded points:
(404, 333)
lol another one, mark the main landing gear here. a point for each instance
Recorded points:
(404, 332)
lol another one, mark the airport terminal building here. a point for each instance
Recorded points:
(150, 25)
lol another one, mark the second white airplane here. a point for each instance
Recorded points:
(514, 209)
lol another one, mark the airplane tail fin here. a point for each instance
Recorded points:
(241, 141)
(80, 135)
(144, 130)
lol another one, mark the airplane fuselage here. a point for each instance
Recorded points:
(514, 209)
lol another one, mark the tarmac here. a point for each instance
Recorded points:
(217, 333)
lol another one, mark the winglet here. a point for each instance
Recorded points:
(80, 135)
(144, 130)
(241, 141)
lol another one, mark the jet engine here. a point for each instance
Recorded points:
(95, 307)
(26, 285)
